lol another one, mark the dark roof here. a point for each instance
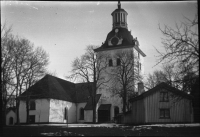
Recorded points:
(118, 10)
(88, 106)
(123, 33)
(9, 109)
(56, 88)
(104, 107)
(128, 41)
(82, 93)
(161, 86)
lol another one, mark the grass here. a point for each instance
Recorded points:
(98, 131)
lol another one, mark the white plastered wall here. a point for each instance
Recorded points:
(41, 113)
(57, 108)
(107, 97)
(11, 114)
(80, 105)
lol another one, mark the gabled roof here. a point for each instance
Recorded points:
(56, 88)
(10, 109)
(161, 86)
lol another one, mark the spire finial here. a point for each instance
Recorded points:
(119, 5)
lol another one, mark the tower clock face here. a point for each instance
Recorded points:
(114, 41)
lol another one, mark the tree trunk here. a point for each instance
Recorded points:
(124, 101)
(4, 116)
(94, 114)
(27, 112)
(17, 109)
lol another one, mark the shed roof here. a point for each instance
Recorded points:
(88, 106)
(162, 85)
(104, 107)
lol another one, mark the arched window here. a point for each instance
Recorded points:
(81, 114)
(32, 105)
(65, 113)
(116, 111)
(11, 121)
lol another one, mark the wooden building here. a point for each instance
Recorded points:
(161, 104)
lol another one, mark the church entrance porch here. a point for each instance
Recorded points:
(104, 113)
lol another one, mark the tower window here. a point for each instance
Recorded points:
(110, 63)
(116, 17)
(118, 62)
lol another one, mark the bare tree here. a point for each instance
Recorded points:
(21, 65)
(89, 68)
(182, 45)
(7, 75)
(124, 76)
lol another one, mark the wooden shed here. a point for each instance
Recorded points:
(161, 104)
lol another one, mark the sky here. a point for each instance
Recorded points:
(65, 29)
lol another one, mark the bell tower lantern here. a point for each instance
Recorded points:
(119, 17)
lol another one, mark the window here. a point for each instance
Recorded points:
(116, 111)
(65, 113)
(110, 63)
(32, 105)
(32, 119)
(11, 121)
(164, 97)
(118, 17)
(164, 113)
(140, 65)
(118, 62)
(81, 114)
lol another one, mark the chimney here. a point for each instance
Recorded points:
(140, 88)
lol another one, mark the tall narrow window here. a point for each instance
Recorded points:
(11, 121)
(81, 114)
(124, 17)
(32, 105)
(116, 111)
(110, 63)
(115, 17)
(118, 17)
(65, 113)
(118, 62)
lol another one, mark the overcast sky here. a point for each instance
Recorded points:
(64, 29)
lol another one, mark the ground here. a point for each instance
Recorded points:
(103, 130)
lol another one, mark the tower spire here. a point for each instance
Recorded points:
(119, 5)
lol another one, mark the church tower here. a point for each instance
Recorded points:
(117, 40)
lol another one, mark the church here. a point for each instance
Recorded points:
(54, 100)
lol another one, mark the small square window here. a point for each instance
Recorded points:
(164, 97)
(32, 119)
(164, 113)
